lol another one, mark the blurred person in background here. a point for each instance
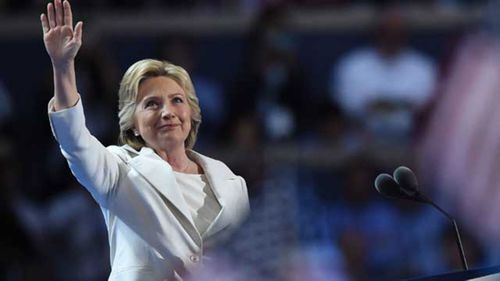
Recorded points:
(21, 260)
(68, 224)
(97, 80)
(245, 145)
(383, 87)
(458, 152)
(163, 203)
(272, 83)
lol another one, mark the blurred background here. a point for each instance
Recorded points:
(308, 100)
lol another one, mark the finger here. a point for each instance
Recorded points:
(50, 14)
(45, 23)
(59, 12)
(78, 32)
(68, 15)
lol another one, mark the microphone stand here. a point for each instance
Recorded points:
(387, 186)
(453, 222)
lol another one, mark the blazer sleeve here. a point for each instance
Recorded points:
(244, 201)
(91, 163)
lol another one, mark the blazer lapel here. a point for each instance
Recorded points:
(159, 174)
(218, 176)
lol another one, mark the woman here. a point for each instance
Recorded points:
(161, 201)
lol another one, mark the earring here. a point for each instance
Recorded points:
(136, 133)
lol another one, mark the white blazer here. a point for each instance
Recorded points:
(151, 233)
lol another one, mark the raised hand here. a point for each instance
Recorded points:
(61, 40)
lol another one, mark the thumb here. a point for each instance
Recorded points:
(78, 32)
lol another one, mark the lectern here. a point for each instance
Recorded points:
(482, 274)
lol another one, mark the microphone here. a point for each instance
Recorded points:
(406, 179)
(407, 182)
(404, 185)
(389, 187)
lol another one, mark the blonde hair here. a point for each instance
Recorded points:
(129, 89)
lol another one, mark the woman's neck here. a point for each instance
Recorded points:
(177, 158)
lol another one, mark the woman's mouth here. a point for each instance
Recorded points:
(168, 127)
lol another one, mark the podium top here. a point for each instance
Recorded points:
(474, 274)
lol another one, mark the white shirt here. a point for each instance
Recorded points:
(199, 198)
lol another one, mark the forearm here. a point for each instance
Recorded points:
(65, 92)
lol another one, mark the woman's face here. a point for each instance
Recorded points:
(162, 116)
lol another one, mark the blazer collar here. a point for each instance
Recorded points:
(156, 171)
(218, 175)
(209, 165)
(216, 172)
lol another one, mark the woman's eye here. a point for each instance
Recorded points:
(151, 104)
(177, 100)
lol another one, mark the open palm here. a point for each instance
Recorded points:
(61, 40)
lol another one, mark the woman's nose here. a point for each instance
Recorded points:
(166, 113)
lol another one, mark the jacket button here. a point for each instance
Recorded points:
(194, 258)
